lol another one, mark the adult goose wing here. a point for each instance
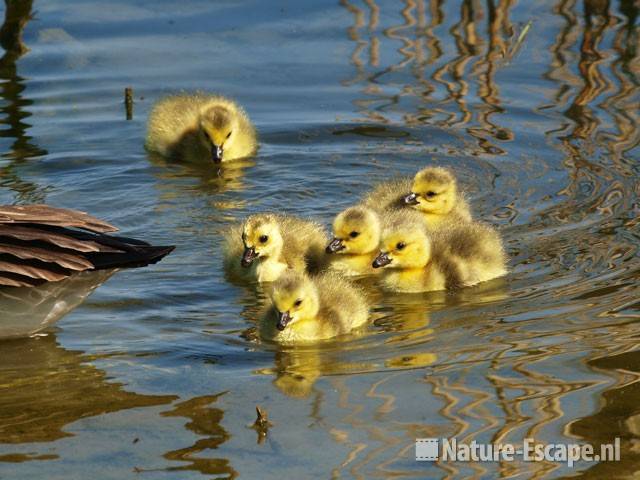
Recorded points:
(41, 244)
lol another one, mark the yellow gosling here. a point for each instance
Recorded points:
(356, 230)
(200, 127)
(388, 195)
(356, 236)
(308, 309)
(268, 244)
(417, 260)
(435, 194)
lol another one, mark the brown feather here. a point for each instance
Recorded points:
(13, 280)
(32, 233)
(41, 244)
(46, 215)
(65, 260)
(32, 271)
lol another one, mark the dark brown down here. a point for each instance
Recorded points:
(41, 244)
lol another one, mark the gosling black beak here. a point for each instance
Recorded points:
(216, 153)
(283, 320)
(335, 246)
(381, 260)
(248, 257)
(411, 199)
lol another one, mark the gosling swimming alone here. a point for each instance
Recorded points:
(266, 245)
(200, 127)
(307, 309)
(416, 259)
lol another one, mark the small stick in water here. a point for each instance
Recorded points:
(518, 43)
(262, 424)
(128, 102)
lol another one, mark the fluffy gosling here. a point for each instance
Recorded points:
(308, 309)
(387, 196)
(418, 260)
(435, 194)
(356, 236)
(199, 126)
(268, 244)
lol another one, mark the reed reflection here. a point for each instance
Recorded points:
(429, 83)
(598, 96)
(14, 112)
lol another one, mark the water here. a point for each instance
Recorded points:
(157, 372)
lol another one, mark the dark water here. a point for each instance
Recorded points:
(152, 374)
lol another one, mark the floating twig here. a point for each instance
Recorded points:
(518, 43)
(128, 102)
(262, 424)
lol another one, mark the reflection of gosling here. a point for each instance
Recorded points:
(306, 309)
(356, 235)
(268, 244)
(200, 126)
(459, 255)
(297, 371)
(435, 193)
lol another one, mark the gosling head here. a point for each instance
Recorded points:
(404, 247)
(356, 231)
(434, 191)
(262, 239)
(294, 298)
(218, 128)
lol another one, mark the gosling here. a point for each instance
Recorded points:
(388, 196)
(200, 126)
(356, 230)
(416, 259)
(356, 236)
(308, 309)
(268, 244)
(435, 194)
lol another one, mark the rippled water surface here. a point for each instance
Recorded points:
(156, 373)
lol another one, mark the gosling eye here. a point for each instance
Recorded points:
(354, 234)
(263, 238)
(430, 194)
(297, 303)
(400, 245)
(229, 134)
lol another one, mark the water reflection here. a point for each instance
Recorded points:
(549, 352)
(617, 416)
(47, 387)
(431, 84)
(204, 420)
(13, 110)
